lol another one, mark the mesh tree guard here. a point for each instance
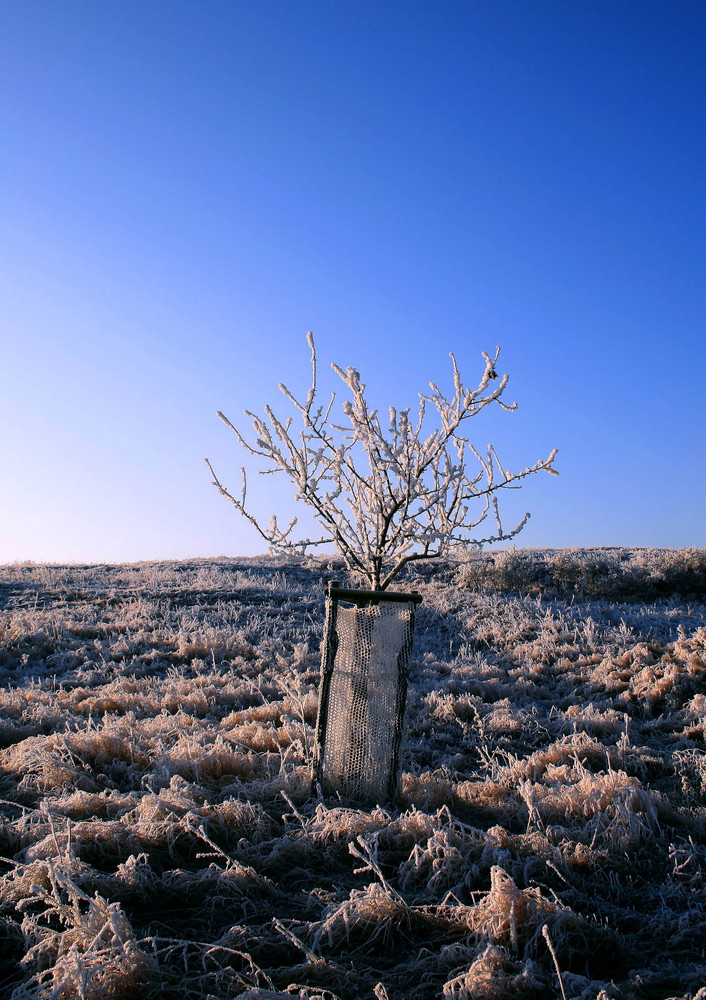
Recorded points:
(364, 669)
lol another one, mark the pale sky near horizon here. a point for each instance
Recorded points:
(188, 187)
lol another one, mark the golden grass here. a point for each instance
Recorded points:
(158, 838)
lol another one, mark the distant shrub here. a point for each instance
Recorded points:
(611, 574)
(506, 570)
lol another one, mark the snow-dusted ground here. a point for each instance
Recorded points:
(158, 838)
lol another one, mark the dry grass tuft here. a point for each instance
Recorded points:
(493, 976)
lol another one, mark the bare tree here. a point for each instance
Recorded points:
(385, 498)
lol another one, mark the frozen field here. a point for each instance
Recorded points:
(158, 840)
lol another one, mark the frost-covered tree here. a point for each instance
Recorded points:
(384, 496)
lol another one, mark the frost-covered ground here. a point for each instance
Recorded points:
(158, 839)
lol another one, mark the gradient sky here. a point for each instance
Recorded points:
(188, 187)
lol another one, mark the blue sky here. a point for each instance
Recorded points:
(188, 187)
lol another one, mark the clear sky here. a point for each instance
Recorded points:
(188, 187)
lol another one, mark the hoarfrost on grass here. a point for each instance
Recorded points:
(158, 837)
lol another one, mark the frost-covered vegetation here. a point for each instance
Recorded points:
(158, 838)
(605, 573)
(384, 494)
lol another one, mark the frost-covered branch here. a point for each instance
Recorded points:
(385, 497)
